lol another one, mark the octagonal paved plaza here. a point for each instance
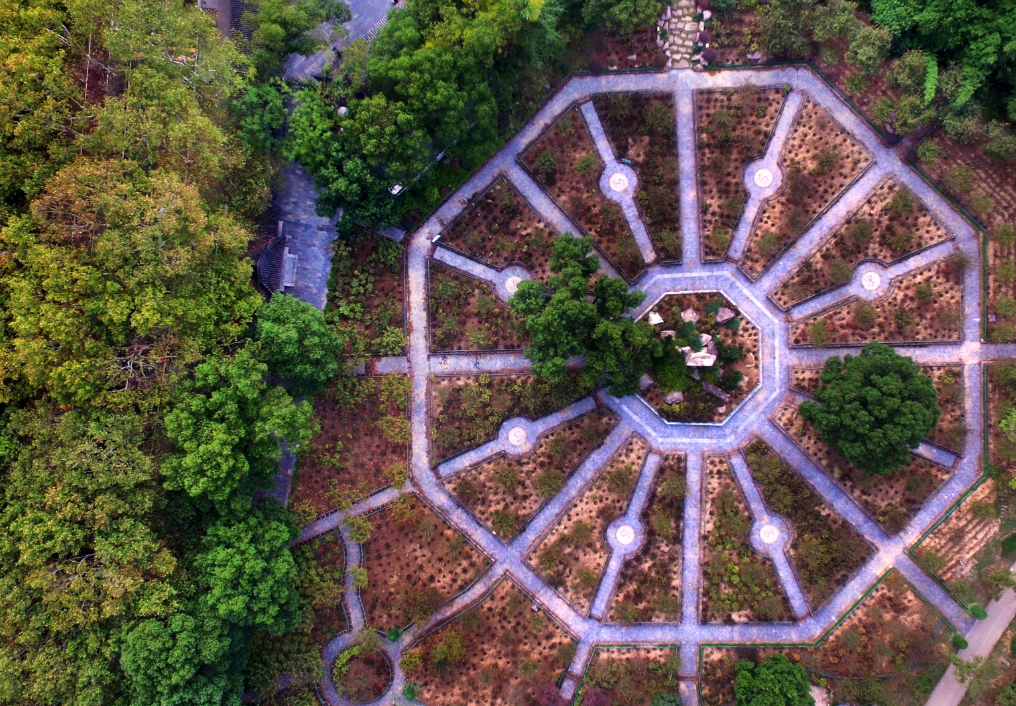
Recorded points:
(757, 418)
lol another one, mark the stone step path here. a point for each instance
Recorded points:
(681, 43)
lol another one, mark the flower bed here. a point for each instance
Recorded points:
(466, 315)
(631, 675)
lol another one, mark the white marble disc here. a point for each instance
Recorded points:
(618, 182)
(512, 284)
(769, 534)
(871, 281)
(763, 178)
(517, 436)
(625, 534)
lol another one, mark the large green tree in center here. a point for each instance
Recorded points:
(873, 408)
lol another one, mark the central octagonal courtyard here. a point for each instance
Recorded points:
(679, 526)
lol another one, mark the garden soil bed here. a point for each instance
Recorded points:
(465, 314)
(734, 127)
(361, 445)
(574, 554)
(468, 410)
(505, 492)
(498, 652)
(320, 571)
(366, 293)
(1001, 398)
(891, 650)
(924, 306)
(888, 227)
(826, 550)
(649, 587)
(565, 162)
(631, 675)
(819, 161)
(892, 500)
(367, 677)
(500, 229)
(738, 585)
(414, 563)
(641, 128)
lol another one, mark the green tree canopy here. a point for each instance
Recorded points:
(297, 344)
(873, 408)
(774, 682)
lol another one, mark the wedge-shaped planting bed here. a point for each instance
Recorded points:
(565, 162)
(466, 315)
(738, 585)
(642, 129)
(889, 226)
(825, 550)
(500, 228)
(414, 563)
(505, 492)
(649, 589)
(819, 161)
(498, 652)
(924, 307)
(733, 128)
(574, 554)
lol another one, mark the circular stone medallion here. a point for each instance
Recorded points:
(769, 534)
(625, 534)
(517, 436)
(512, 284)
(763, 178)
(618, 182)
(871, 281)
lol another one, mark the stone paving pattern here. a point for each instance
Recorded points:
(694, 440)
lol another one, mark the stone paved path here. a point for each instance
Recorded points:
(751, 419)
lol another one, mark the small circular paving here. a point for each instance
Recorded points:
(699, 447)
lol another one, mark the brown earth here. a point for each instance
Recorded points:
(465, 314)
(631, 675)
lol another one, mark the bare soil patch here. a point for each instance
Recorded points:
(924, 306)
(739, 586)
(499, 652)
(574, 554)
(819, 161)
(825, 550)
(1001, 400)
(889, 226)
(892, 500)
(891, 650)
(565, 162)
(734, 127)
(641, 128)
(466, 315)
(499, 228)
(468, 410)
(367, 676)
(361, 444)
(414, 563)
(505, 492)
(320, 578)
(699, 405)
(649, 588)
(630, 675)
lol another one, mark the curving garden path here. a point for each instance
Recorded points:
(752, 419)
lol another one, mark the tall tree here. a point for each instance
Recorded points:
(297, 345)
(775, 682)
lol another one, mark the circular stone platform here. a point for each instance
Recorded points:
(512, 284)
(618, 182)
(517, 437)
(769, 534)
(763, 178)
(625, 534)
(871, 281)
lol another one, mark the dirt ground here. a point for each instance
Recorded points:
(368, 676)
(468, 410)
(466, 315)
(739, 586)
(505, 492)
(888, 227)
(500, 228)
(361, 444)
(649, 588)
(322, 574)
(414, 563)
(564, 160)
(826, 550)
(892, 500)
(640, 127)
(734, 128)
(498, 653)
(893, 634)
(574, 554)
(631, 676)
(924, 307)
(1001, 398)
(819, 160)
